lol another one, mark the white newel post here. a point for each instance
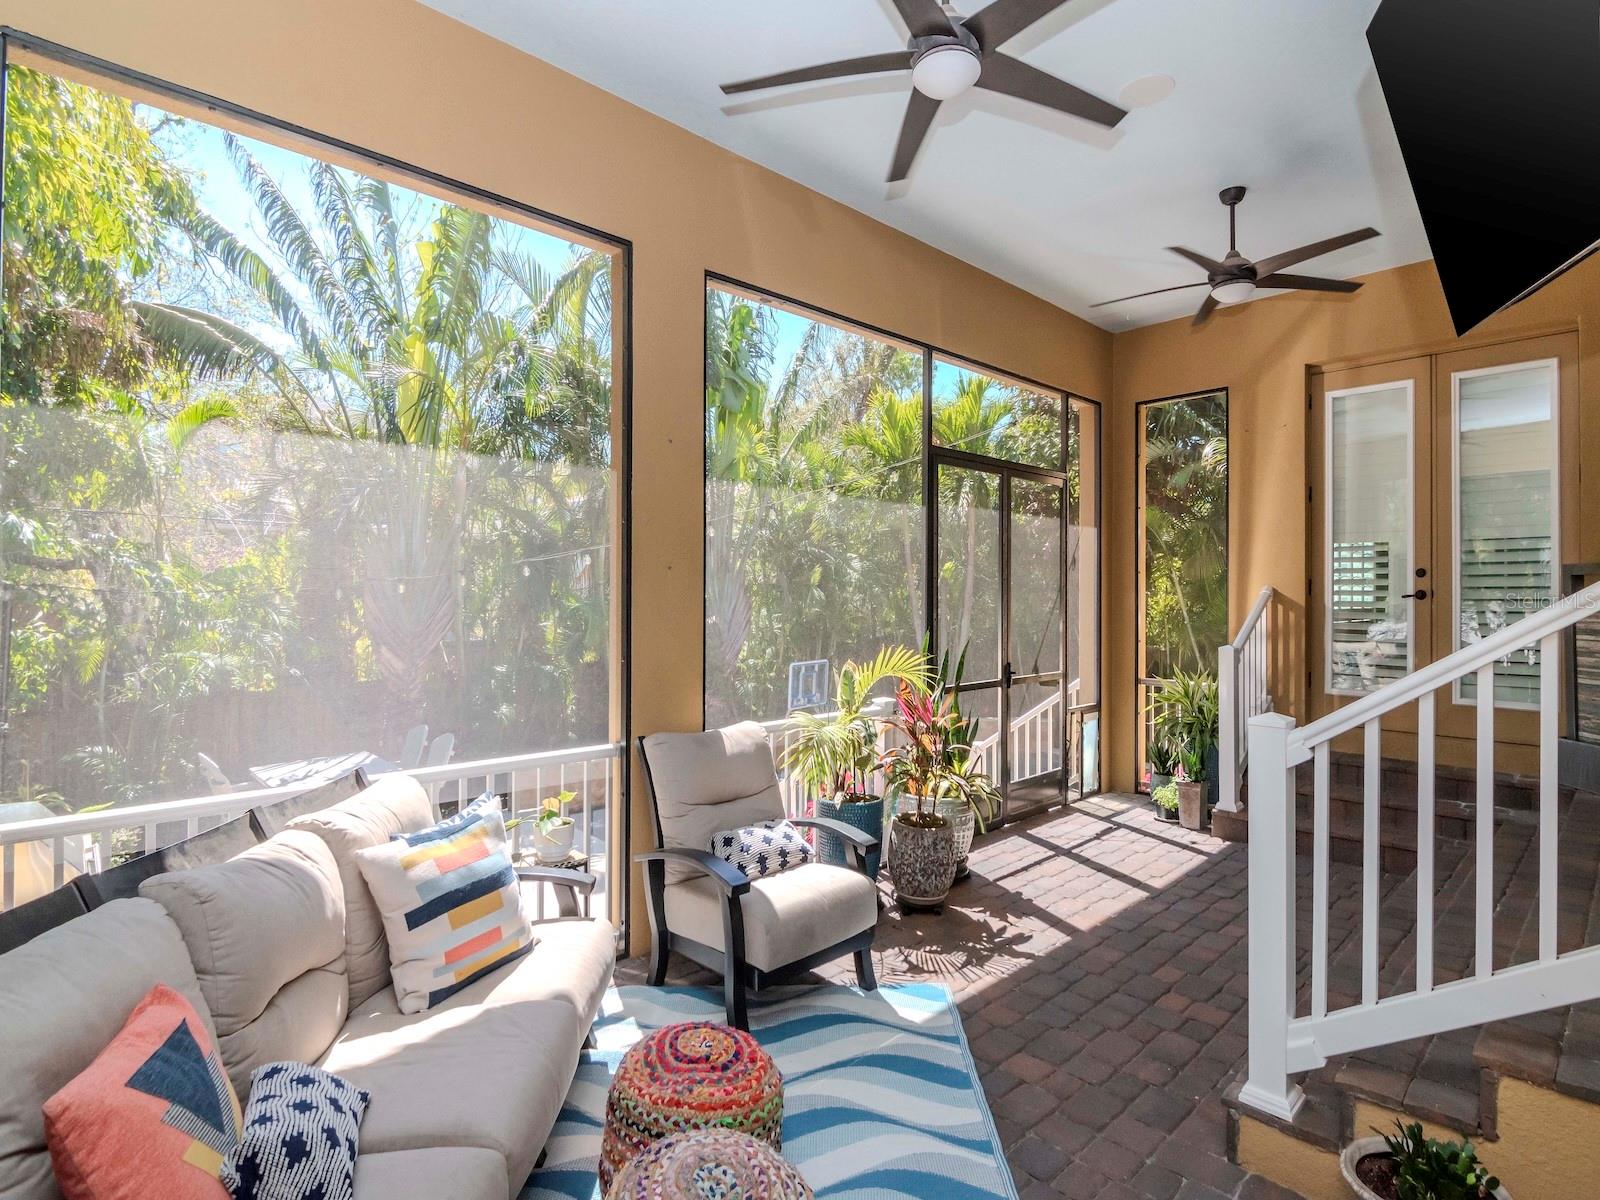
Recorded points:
(1269, 1088)
(1228, 752)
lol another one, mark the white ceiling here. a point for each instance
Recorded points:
(1277, 95)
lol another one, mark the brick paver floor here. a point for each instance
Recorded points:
(1099, 959)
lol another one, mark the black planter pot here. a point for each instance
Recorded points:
(865, 815)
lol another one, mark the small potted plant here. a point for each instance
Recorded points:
(1406, 1165)
(1192, 712)
(834, 753)
(552, 832)
(1191, 789)
(1166, 802)
(1163, 758)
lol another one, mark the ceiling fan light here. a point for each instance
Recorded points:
(944, 72)
(1233, 291)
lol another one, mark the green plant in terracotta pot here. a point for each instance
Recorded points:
(833, 753)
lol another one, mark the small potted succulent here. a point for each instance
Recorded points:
(833, 754)
(1406, 1165)
(552, 832)
(1166, 802)
(1163, 758)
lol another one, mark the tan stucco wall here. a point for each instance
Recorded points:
(401, 79)
(1261, 353)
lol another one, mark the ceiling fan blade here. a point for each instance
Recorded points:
(1210, 265)
(1004, 19)
(919, 116)
(1013, 77)
(1207, 307)
(1307, 283)
(871, 64)
(1289, 257)
(924, 18)
(1182, 287)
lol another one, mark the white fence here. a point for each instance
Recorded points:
(1283, 1043)
(1244, 680)
(37, 856)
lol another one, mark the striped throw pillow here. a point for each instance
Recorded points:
(451, 908)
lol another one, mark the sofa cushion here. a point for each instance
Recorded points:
(63, 997)
(787, 916)
(270, 820)
(707, 782)
(213, 846)
(495, 1059)
(393, 805)
(459, 1172)
(266, 933)
(152, 1115)
(452, 910)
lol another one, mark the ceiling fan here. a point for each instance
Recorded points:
(946, 57)
(1236, 278)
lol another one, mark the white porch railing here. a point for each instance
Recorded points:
(40, 855)
(1036, 746)
(1243, 691)
(1283, 1043)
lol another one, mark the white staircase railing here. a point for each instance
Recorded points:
(1243, 691)
(1282, 1042)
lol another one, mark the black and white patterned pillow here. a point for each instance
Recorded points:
(764, 849)
(300, 1130)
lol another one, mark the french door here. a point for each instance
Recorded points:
(999, 536)
(1438, 516)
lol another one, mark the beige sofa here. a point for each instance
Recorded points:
(278, 951)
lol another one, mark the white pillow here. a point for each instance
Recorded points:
(452, 911)
(764, 849)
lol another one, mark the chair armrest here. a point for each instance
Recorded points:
(853, 836)
(728, 877)
(568, 884)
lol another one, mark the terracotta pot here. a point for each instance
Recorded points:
(866, 814)
(1361, 1148)
(1191, 803)
(922, 862)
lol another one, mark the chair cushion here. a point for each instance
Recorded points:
(452, 908)
(213, 846)
(63, 997)
(764, 849)
(393, 805)
(300, 1137)
(152, 1115)
(707, 782)
(787, 917)
(496, 1058)
(272, 819)
(266, 933)
(459, 1172)
(27, 921)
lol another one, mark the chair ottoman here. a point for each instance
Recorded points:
(691, 1076)
(709, 1164)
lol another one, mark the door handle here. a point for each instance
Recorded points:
(1419, 594)
(1007, 675)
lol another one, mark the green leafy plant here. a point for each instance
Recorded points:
(935, 756)
(1163, 753)
(552, 814)
(833, 752)
(1428, 1169)
(1166, 797)
(1191, 713)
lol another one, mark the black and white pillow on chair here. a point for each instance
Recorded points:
(763, 849)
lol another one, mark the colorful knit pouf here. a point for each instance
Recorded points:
(697, 1075)
(709, 1164)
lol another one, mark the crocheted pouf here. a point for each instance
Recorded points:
(709, 1164)
(697, 1075)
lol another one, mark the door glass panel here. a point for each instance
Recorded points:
(1037, 592)
(1505, 505)
(1036, 736)
(969, 569)
(1370, 515)
(1000, 418)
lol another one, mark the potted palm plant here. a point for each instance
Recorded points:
(833, 754)
(929, 762)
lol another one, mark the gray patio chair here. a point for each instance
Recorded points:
(441, 749)
(411, 749)
(753, 931)
(215, 779)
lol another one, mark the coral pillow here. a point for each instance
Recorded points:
(152, 1115)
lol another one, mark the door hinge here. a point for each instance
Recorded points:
(1308, 495)
(1308, 401)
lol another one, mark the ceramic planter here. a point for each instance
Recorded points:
(962, 821)
(556, 845)
(863, 812)
(922, 862)
(1361, 1148)
(1157, 782)
(1191, 803)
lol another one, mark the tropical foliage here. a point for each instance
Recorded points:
(293, 458)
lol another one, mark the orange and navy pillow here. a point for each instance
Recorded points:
(452, 911)
(152, 1115)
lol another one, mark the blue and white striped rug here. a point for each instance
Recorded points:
(880, 1101)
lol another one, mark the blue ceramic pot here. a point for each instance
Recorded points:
(864, 814)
